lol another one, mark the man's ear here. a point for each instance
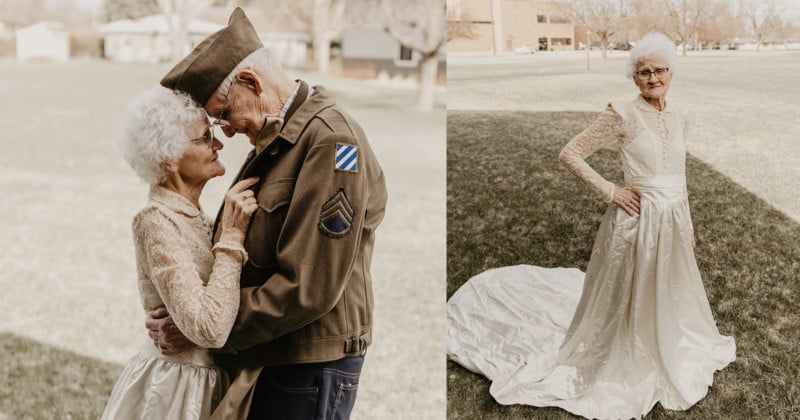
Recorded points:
(252, 80)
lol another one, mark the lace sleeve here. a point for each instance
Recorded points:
(604, 133)
(203, 313)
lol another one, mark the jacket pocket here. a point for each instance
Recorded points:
(265, 227)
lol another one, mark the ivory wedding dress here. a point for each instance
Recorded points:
(637, 328)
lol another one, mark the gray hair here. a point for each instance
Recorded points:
(157, 131)
(261, 61)
(653, 44)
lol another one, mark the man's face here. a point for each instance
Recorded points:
(241, 109)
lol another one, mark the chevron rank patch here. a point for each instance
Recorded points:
(337, 216)
(346, 158)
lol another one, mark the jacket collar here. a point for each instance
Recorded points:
(298, 115)
(173, 201)
(291, 129)
(642, 104)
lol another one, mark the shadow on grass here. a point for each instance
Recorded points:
(510, 202)
(39, 381)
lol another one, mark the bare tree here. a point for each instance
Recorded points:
(459, 25)
(327, 24)
(684, 18)
(420, 26)
(325, 20)
(761, 18)
(178, 14)
(128, 9)
(645, 16)
(721, 24)
(602, 18)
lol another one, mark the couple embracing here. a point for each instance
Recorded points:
(265, 311)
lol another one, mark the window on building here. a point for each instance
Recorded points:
(405, 57)
(561, 41)
(541, 18)
(542, 44)
(405, 53)
(560, 19)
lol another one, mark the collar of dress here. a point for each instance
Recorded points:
(173, 201)
(642, 104)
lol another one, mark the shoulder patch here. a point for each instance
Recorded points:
(346, 158)
(337, 216)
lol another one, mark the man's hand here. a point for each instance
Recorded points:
(165, 334)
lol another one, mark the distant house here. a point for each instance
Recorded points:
(751, 44)
(373, 54)
(291, 48)
(43, 41)
(146, 40)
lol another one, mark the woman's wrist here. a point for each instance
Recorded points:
(232, 235)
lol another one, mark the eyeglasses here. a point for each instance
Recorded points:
(207, 138)
(645, 74)
(222, 119)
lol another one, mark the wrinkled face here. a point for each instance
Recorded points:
(649, 81)
(241, 109)
(200, 162)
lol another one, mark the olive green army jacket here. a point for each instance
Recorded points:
(306, 290)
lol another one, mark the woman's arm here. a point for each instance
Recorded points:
(203, 313)
(603, 133)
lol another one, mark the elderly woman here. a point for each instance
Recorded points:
(168, 142)
(642, 331)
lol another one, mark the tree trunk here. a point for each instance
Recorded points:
(683, 45)
(177, 38)
(588, 44)
(322, 52)
(605, 49)
(428, 68)
(497, 28)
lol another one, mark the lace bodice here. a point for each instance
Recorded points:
(178, 268)
(649, 142)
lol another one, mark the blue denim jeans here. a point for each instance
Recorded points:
(312, 391)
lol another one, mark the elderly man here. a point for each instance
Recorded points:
(306, 292)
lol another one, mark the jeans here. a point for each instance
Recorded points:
(312, 391)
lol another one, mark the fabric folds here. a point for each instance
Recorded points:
(635, 330)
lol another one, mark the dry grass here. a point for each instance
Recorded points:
(510, 202)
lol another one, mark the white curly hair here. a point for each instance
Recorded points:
(157, 131)
(653, 44)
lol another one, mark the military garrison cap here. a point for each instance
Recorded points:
(200, 73)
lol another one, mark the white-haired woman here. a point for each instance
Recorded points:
(642, 331)
(168, 142)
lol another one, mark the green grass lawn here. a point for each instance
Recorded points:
(510, 202)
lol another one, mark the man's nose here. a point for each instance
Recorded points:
(229, 131)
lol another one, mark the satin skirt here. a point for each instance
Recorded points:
(635, 330)
(185, 386)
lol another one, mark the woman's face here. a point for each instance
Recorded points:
(647, 79)
(200, 162)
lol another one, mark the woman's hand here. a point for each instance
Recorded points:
(240, 204)
(627, 199)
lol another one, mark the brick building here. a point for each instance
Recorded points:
(481, 25)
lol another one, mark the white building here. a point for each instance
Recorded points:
(146, 40)
(374, 54)
(43, 41)
(291, 48)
